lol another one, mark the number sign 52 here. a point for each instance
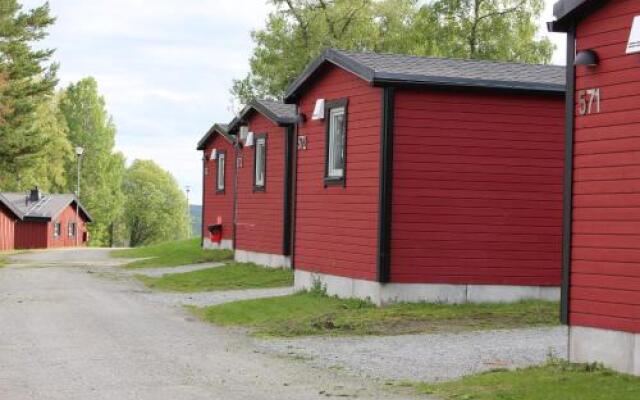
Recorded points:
(589, 101)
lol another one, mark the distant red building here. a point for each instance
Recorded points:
(601, 296)
(218, 185)
(425, 179)
(8, 218)
(43, 221)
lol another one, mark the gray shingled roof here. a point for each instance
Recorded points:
(49, 206)
(385, 69)
(278, 112)
(222, 129)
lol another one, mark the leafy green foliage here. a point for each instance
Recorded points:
(171, 254)
(156, 208)
(27, 83)
(299, 30)
(314, 313)
(91, 128)
(232, 276)
(557, 380)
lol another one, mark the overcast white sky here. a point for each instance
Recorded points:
(165, 68)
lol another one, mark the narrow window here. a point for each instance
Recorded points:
(220, 172)
(57, 229)
(260, 167)
(72, 229)
(336, 120)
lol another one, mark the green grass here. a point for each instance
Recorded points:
(171, 254)
(553, 381)
(228, 277)
(313, 313)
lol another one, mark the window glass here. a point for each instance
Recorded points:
(335, 163)
(261, 155)
(57, 229)
(221, 164)
(72, 229)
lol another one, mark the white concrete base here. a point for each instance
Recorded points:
(615, 349)
(422, 292)
(268, 260)
(225, 244)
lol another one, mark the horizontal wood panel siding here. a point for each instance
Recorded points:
(477, 188)
(64, 240)
(260, 223)
(336, 227)
(7, 227)
(218, 206)
(32, 235)
(605, 262)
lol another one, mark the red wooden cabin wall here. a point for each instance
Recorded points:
(218, 205)
(7, 227)
(337, 227)
(477, 188)
(260, 224)
(605, 279)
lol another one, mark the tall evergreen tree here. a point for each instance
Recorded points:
(91, 128)
(27, 81)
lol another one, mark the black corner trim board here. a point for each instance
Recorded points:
(386, 182)
(263, 187)
(289, 147)
(224, 172)
(329, 105)
(204, 188)
(567, 219)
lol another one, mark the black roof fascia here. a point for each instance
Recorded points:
(257, 106)
(216, 128)
(567, 11)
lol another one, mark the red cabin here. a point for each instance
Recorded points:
(601, 296)
(8, 218)
(424, 179)
(263, 200)
(45, 221)
(218, 183)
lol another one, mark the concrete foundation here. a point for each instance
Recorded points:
(422, 292)
(268, 260)
(615, 349)
(223, 245)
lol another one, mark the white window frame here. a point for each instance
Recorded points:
(260, 163)
(221, 163)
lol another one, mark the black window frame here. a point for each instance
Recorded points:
(222, 153)
(330, 105)
(256, 187)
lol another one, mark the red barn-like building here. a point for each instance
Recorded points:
(601, 296)
(8, 218)
(46, 220)
(263, 198)
(424, 179)
(218, 188)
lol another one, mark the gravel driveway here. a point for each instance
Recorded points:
(68, 334)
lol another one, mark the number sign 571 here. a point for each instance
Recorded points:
(589, 101)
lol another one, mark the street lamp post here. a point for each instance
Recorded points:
(188, 190)
(79, 153)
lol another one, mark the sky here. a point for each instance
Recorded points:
(165, 68)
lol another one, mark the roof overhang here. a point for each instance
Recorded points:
(568, 11)
(256, 106)
(215, 129)
(374, 78)
(7, 204)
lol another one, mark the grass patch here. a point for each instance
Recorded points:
(313, 313)
(228, 277)
(171, 254)
(554, 381)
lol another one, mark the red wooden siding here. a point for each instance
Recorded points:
(32, 235)
(64, 240)
(260, 225)
(337, 227)
(605, 280)
(7, 227)
(477, 188)
(218, 206)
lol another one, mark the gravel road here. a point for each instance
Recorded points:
(67, 334)
(202, 299)
(158, 272)
(428, 358)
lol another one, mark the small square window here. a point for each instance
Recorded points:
(220, 173)
(260, 167)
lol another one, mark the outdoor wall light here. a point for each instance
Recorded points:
(587, 57)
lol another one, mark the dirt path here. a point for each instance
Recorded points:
(69, 334)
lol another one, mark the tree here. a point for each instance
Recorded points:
(299, 30)
(91, 128)
(27, 81)
(156, 208)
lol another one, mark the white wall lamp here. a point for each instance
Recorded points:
(318, 110)
(214, 154)
(249, 141)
